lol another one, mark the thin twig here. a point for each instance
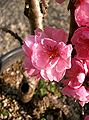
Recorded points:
(15, 35)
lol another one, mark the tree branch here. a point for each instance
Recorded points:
(73, 24)
(15, 35)
(33, 12)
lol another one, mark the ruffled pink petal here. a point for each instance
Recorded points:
(44, 74)
(81, 41)
(66, 81)
(76, 69)
(59, 35)
(76, 82)
(30, 68)
(52, 73)
(82, 94)
(66, 51)
(81, 77)
(26, 50)
(82, 52)
(79, 94)
(39, 57)
(48, 44)
(49, 73)
(82, 14)
(58, 75)
(69, 91)
(50, 69)
(61, 66)
(29, 40)
(27, 45)
(39, 34)
(80, 35)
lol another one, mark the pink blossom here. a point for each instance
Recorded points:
(87, 117)
(76, 83)
(80, 40)
(80, 94)
(76, 74)
(31, 70)
(60, 1)
(48, 53)
(82, 13)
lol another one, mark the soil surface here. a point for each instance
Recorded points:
(47, 102)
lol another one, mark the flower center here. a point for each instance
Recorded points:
(53, 52)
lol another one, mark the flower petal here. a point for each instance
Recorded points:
(39, 57)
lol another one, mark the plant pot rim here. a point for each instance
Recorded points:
(11, 57)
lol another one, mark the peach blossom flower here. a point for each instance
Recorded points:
(80, 40)
(76, 82)
(48, 53)
(81, 13)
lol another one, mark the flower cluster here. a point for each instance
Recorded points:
(77, 78)
(48, 55)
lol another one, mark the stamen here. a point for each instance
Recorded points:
(53, 52)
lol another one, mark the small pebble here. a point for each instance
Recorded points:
(5, 104)
(12, 73)
(1, 116)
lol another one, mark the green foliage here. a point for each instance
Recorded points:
(42, 84)
(52, 87)
(42, 88)
(43, 91)
(45, 86)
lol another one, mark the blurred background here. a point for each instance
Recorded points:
(12, 17)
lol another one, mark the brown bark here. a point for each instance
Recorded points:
(73, 24)
(33, 13)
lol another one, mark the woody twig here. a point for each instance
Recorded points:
(33, 12)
